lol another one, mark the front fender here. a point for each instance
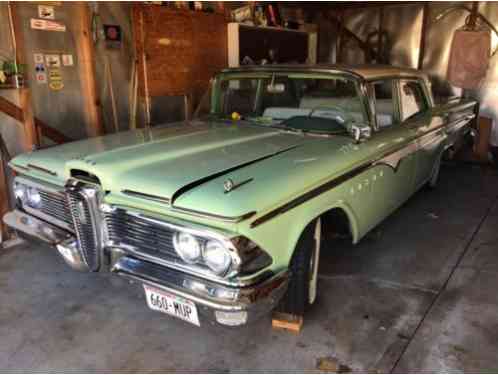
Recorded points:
(279, 236)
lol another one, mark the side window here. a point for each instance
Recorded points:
(412, 99)
(384, 105)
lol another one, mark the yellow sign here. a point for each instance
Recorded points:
(56, 85)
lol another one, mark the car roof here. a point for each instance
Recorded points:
(366, 72)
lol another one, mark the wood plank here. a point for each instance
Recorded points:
(30, 140)
(288, 322)
(16, 113)
(51, 133)
(10, 109)
(84, 46)
(485, 126)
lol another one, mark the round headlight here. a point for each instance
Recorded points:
(19, 191)
(187, 246)
(217, 257)
(34, 198)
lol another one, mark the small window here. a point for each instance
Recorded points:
(384, 105)
(412, 99)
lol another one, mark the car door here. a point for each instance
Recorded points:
(393, 180)
(416, 114)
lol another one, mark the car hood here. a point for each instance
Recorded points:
(189, 165)
(163, 161)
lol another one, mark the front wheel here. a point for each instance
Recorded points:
(304, 264)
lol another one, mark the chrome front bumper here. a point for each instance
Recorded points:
(217, 303)
(226, 305)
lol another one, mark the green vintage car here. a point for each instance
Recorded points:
(220, 219)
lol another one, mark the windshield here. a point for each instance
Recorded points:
(304, 102)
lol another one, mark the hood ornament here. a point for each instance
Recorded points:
(228, 185)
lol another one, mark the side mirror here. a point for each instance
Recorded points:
(360, 133)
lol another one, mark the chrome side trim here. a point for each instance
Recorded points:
(310, 195)
(459, 123)
(40, 169)
(391, 158)
(206, 215)
(150, 197)
(18, 167)
(427, 143)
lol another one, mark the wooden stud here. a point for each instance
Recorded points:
(133, 96)
(288, 322)
(30, 140)
(108, 74)
(84, 46)
(145, 71)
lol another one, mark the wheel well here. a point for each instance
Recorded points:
(335, 224)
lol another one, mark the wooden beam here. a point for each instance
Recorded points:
(51, 133)
(84, 46)
(30, 139)
(12, 110)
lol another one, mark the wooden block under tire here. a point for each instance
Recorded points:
(288, 322)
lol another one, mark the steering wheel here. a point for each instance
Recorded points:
(340, 115)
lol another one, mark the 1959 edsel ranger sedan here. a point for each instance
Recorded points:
(220, 219)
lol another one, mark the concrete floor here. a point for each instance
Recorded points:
(418, 294)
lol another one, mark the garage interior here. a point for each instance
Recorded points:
(417, 294)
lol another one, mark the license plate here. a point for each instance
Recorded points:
(170, 304)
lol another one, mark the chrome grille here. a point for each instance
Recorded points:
(85, 227)
(139, 234)
(55, 205)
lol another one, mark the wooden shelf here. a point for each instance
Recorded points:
(9, 87)
(291, 46)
